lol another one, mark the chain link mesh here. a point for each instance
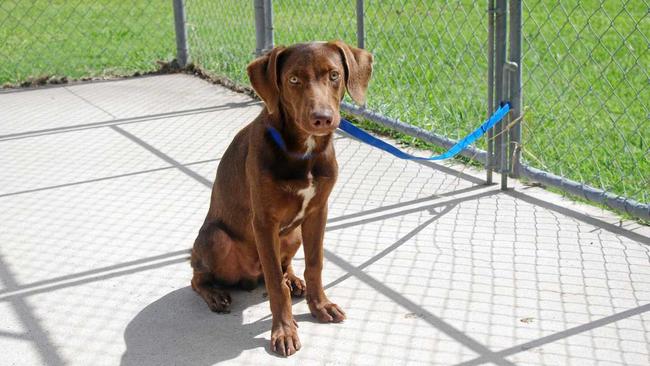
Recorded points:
(221, 36)
(430, 58)
(297, 21)
(585, 82)
(79, 38)
(431, 63)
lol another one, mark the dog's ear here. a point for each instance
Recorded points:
(358, 68)
(263, 75)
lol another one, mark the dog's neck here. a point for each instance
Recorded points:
(298, 142)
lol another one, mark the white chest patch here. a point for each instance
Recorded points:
(307, 194)
(310, 144)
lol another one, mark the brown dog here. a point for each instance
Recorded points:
(270, 197)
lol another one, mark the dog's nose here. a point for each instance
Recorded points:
(321, 118)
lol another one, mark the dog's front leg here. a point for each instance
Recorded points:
(313, 230)
(284, 335)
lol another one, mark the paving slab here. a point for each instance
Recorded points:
(105, 184)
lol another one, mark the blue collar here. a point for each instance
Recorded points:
(279, 141)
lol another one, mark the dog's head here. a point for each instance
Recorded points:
(308, 81)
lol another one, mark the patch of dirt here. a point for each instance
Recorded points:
(164, 67)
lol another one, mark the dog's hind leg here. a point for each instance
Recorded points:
(211, 248)
(217, 298)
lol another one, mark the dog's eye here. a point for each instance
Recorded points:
(334, 75)
(293, 79)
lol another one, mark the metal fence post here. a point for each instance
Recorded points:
(500, 26)
(268, 25)
(260, 27)
(361, 32)
(489, 163)
(182, 51)
(509, 69)
(515, 86)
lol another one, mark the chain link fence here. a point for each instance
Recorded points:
(585, 85)
(438, 67)
(221, 36)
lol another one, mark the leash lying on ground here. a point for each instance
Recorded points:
(369, 139)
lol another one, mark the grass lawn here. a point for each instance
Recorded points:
(585, 64)
(78, 38)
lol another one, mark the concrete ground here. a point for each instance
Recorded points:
(104, 185)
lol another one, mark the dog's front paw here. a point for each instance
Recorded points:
(284, 338)
(326, 311)
(296, 286)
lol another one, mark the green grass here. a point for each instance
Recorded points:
(585, 81)
(81, 38)
(586, 86)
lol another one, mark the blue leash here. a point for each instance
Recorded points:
(369, 139)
